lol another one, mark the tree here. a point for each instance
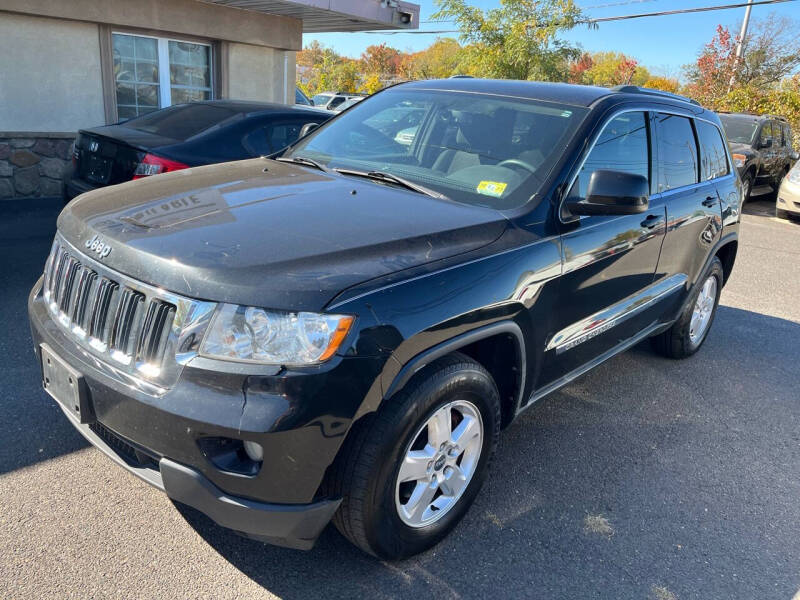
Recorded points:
(517, 40)
(663, 83)
(709, 77)
(443, 58)
(381, 60)
(771, 52)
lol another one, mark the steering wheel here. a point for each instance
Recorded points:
(517, 163)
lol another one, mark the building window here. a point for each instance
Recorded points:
(152, 73)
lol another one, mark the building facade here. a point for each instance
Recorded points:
(72, 64)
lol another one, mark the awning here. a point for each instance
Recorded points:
(337, 15)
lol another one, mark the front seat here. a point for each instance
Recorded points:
(473, 144)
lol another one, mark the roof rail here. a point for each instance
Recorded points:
(753, 114)
(636, 89)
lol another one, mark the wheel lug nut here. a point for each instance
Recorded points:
(453, 452)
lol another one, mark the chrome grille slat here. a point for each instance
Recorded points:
(82, 297)
(156, 323)
(135, 330)
(120, 338)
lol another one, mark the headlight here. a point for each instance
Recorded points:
(794, 174)
(247, 333)
(739, 160)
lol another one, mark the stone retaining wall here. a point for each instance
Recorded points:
(33, 165)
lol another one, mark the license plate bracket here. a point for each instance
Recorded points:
(65, 385)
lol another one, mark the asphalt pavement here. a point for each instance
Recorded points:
(646, 478)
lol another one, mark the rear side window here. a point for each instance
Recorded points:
(713, 160)
(677, 152)
(182, 121)
(787, 136)
(622, 146)
(273, 137)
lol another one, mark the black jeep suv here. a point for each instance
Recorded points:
(341, 332)
(762, 150)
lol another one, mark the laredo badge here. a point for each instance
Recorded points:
(492, 188)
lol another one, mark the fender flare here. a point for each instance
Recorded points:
(431, 354)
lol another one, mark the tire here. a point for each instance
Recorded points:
(366, 472)
(679, 341)
(747, 186)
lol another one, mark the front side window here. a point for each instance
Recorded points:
(472, 148)
(766, 134)
(152, 73)
(622, 146)
(677, 152)
(713, 159)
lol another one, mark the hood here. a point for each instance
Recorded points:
(269, 234)
(739, 148)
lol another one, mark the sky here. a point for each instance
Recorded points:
(662, 44)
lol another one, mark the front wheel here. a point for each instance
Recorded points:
(747, 186)
(689, 332)
(408, 473)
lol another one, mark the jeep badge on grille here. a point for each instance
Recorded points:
(99, 246)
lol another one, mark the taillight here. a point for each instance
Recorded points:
(153, 165)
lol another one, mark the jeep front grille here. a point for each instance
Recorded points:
(136, 328)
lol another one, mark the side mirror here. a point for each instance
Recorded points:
(767, 143)
(794, 155)
(308, 128)
(613, 193)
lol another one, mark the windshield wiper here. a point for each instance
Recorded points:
(392, 178)
(304, 160)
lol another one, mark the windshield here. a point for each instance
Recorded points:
(473, 148)
(738, 130)
(321, 99)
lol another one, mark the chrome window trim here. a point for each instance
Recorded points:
(645, 109)
(603, 320)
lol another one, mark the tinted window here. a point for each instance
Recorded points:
(300, 97)
(787, 140)
(713, 160)
(677, 152)
(766, 133)
(622, 146)
(182, 121)
(274, 137)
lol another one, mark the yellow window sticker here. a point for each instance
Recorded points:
(492, 188)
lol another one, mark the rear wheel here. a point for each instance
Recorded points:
(408, 473)
(689, 332)
(747, 186)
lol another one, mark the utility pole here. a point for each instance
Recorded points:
(740, 43)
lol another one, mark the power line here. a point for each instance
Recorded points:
(616, 18)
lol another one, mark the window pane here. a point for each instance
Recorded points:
(135, 63)
(184, 95)
(713, 161)
(622, 146)
(677, 152)
(189, 65)
(766, 132)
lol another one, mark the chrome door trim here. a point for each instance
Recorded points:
(600, 322)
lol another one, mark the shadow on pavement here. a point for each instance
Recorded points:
(34, 427)
(686, 461)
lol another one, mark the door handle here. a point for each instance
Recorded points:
(710, 201)
(652, 221)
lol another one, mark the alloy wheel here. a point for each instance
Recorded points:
(438, 463)
(703, 308)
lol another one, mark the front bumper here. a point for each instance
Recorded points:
(299, 418)
(789, 197)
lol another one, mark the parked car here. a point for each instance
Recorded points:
(343, 331)
(762, 149)
(332, 100)
(181, 136)
(348, 103)
(787, 202)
